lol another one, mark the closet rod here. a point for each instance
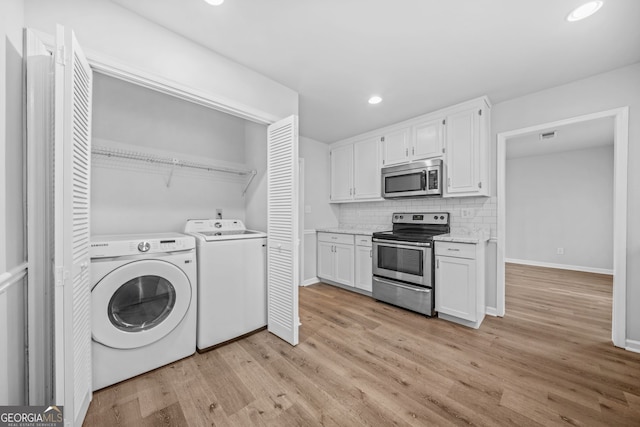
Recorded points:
(133, 155)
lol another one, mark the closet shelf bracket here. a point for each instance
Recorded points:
(252, 175)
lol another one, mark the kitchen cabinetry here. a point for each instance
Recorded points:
(423, 140)
(396, 146)
(467, 157)
(355, 171)
(342, 173)
(459, 282)
(364, 254)
(460, 135)
(336, 258)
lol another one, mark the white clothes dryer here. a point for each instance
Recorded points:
(143, 301)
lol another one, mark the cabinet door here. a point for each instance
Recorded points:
(428, 139)
(366, 169)
(463, 152)
(456, 287)
(364, 274)
(395, 147)
(325, 260)
(343, 259)
(342, 173)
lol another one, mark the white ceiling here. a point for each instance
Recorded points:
(419, 55)
(577, 136)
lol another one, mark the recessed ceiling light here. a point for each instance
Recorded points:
(214, 2)
(584, 11)
(375, 100)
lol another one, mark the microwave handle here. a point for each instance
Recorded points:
(423, 180)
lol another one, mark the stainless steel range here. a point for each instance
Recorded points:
(403, 260)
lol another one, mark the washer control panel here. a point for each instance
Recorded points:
(123, 245)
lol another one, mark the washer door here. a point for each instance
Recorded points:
(139, 303)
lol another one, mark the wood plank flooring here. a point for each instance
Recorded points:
(548, 362)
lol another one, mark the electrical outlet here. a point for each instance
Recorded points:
(466, 213)
(560, 251)
(218, 213)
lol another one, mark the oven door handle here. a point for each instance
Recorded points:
(395, 244)
(403, 286)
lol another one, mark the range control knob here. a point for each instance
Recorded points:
(218, 225)
(144, 246)
(435, 217)
(442, 217)
(395, 216)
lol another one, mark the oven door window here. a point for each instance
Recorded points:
(401, 260)
(405, 182)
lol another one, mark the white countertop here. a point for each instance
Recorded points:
(351, 230)
(463, 238)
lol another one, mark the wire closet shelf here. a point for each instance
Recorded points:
(172, 162)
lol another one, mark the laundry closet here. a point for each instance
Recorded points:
(136, 131)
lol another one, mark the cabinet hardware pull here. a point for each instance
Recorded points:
(406, 152)
(413, 151)
(448, 182)
(382, 139)
(370, 253)
(444, 122)
(453, 249)
(480, 184)
(437, 263)
(443, 150)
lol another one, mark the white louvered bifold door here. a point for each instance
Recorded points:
(72, 147)
(282, 228)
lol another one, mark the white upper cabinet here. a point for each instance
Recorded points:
(396, 147)
(342, 173)
(459, 135)
(467, 150)
(366, 169)
(428, 139)
(355, 171)
(423, 140)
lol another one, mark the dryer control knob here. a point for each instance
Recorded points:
(144, 246)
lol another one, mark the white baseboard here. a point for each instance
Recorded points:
(633, 345)
(311, 281)
(560, 266)
(491, 311)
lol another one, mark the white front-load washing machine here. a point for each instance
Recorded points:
(143, 301)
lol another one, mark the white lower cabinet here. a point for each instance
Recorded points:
(345, 259)
(459, 291)
(364, 254)
(336, 258)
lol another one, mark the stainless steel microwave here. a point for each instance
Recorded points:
(416, 179)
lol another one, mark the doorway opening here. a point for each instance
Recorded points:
(619, 210)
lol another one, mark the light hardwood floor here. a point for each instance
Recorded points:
(549, 361)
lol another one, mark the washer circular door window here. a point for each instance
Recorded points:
(139, 303)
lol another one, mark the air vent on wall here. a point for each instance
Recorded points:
(548, 135)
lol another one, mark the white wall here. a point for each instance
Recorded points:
(318, 211)
(132, 197)
(12, 226)
(317, 185)
(256, 158)
(562, 200)
(107, 29)
(605, 91)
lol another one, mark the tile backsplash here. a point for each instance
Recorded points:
(468, 214)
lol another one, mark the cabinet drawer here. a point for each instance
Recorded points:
(363, 241)
(459, 250)
(346, 239)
